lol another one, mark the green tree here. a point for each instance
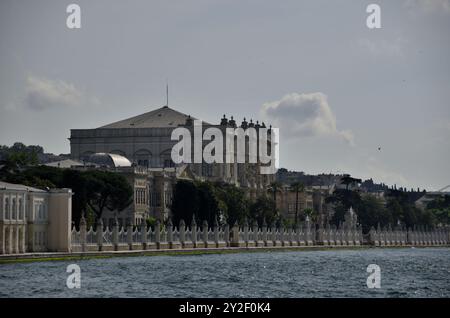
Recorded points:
(107, 190)
(185, 202)
(233, 201)
(440, 208)
(297, 187)
(371, 212)
(275, 187)
(263, 209)
(208, 204)
(348, 180)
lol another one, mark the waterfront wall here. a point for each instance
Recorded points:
(245, 235)
(413, 237)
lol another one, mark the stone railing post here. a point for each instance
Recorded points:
(372, 237)
(308, 231)
(409, 237)
(264, 231)
(170, 233)
(245, 225)
(292, 238)
(319, 235)
(255, 232)
(235, 235)
(182, 228)
(194, 232)
(447, 235)
(100, 234)
(130, 235)
(116, 234)
(216, 232)
(205, 233)
(227, 235)
(83, 233)
(282, 231)
(298, 233)
(143, 230)
(158, 234)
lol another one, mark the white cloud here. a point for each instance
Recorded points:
(42, 93)
(303, 115)
(429, 5)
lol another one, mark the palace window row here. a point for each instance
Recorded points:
(13, 208)
(141, 196)
(40, 238)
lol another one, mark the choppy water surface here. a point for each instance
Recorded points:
(405, 272)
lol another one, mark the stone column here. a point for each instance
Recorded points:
(194, 232)
(16, 240)
(235, 235)
(116, 234)
(170, 232)
(264, 231)
(216, 232)
(182, 228)
(309, 240)
(130, 235)
(83, 234)
(100, 234)
(319, 235)
(255, 232)
(23, 244)
(246, 232)
(143, 230)
(298, 234)
(205, 233)
(2, 240)
(8, 239)
(158, 234)
(227, 235)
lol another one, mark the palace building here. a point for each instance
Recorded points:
(145, 141)
(34, 220)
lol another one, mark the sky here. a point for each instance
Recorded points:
(347, 99)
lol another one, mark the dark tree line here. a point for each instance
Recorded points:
(223, 202)
(397, 207)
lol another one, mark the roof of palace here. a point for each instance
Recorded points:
(18, 187)
(164, 117)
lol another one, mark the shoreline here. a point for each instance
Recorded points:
(59, 256)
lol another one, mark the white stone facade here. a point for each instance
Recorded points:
(34, 220)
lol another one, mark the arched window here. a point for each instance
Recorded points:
(142, 158)
(166, 159)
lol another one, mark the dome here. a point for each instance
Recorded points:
(108, 159)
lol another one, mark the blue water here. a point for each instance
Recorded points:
(408, 272)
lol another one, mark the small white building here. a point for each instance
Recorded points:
(34, 220)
